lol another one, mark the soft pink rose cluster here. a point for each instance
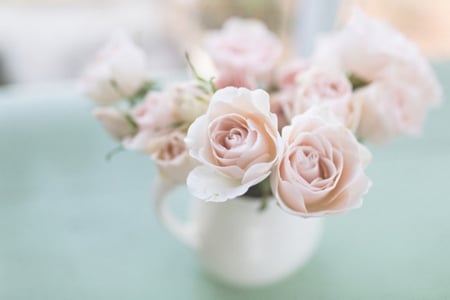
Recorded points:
(288, 127)
(400, 85)
(316, 166)
(139, 116)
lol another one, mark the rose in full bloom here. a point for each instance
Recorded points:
(118, 72)
(366, 47)
(322, 168)
(374, 52)
(155, 117)
(244, 47)
(237, 143)
(172, 158)
(115, 122)
(388, 110)
(326, 87)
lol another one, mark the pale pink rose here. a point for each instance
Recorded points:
(287, 73)
(155, 117)
(190, 99)
(115, 122)
(172, 158)
(375, 52)
(365, 47)
(244, 47)
(321, 170)
(325, 87)
(118, 72)
(388, 111)
(237, 143)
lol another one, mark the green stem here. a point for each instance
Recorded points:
(113, 152)
(197, 76)
(131, 121)
(265, 193)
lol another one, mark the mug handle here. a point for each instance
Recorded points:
(182, 231)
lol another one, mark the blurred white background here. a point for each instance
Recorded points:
(43, 40)
(51, 40)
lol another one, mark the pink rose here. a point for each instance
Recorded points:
(172, 158)
(237, 143)
(321, 170)
(388, 110)
(118, 72)
(365, 47)
(375, 52)
(325, 87)
(244, 47)
(155, 118)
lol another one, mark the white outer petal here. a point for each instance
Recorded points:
(207, 184)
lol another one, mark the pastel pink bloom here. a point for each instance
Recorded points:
(237, 143)
(326, 87)
(321, 170)
(366, 47)
(172, 158)
(155, 118)
(388, 110)
(375, 52)
(118, 71)
(244, 47)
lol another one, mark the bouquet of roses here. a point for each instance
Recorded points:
(266, 124)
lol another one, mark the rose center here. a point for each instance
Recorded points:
(307, 164)
(233, 138)
(228, 133)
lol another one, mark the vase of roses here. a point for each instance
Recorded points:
(268, 145)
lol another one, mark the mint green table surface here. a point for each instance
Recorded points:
(74, 226)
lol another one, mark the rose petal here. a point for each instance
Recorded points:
(207, 184)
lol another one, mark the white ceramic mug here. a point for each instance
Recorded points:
(239, 244)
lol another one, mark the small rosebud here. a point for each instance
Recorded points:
(116, 122)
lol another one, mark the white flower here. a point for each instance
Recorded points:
(115, 122)
(376, 53)
(191, 99)
(118, 72)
